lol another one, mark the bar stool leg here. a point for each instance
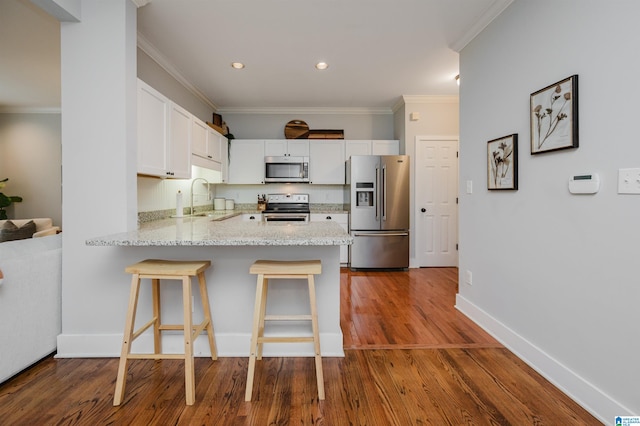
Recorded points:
(207, 315)
(316, 336)
(157, 316)
(263, 313)
(254, 336)
(126, 340)
(189, 372)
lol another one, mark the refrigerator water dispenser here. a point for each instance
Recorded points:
(364, 194)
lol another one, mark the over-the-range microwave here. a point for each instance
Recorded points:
(286, 169)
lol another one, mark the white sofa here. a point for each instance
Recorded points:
(30, 301)
(44, 226)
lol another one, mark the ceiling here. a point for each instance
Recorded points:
(377, 50)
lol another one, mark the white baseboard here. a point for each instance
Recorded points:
(575, 387)
(228, 345)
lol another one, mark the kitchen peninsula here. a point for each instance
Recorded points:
(233, 245)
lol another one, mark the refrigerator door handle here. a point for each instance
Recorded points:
(377, 191)
(378, 234)
(384, 192)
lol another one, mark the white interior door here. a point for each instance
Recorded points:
(436, 192)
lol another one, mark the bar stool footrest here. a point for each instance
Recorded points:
(287, 317)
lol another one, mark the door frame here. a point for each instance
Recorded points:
(414, 222)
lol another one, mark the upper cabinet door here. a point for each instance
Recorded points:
(286, 147)
(385, 147)
(246, 161)
(199, 130)
(214, 144)
(275, 148)
(356, 147)
(298, 147)
(326, 162)
(153, 131)
(180, 145)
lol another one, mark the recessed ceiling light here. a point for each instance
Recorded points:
(237, 65)
(322, 65)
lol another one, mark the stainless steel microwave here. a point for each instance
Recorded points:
(286, 169)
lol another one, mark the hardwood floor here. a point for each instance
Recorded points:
(411, 359)
(415, 309)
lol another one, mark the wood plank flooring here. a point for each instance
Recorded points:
(411, 359)
(415, 309)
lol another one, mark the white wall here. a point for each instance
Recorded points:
(30, 156)
(555, 275)
(98, 165)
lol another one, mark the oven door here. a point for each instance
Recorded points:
(285, 217)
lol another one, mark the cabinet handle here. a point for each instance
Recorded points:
(423, 210)
(328, 217)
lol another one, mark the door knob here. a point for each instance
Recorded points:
(423, 210)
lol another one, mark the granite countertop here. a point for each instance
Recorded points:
(220, 230)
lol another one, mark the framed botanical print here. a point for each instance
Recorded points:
(554, 116)
(502, 162)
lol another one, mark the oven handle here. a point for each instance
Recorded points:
(285, 217)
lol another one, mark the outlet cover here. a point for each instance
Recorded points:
(469, 278)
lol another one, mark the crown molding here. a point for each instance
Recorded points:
(306, 110)
(140, 3)
(161, 60)
(30, 110)
(490, 13)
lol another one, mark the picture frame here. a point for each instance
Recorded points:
(502, 163)
(554, 116)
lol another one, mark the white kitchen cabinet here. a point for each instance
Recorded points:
(246, 162)
(343, 220)
(206, 142)
(286, 147)
(371, 147)
(153, 130)
(164, 130)
(326, 162)
(180, 143)
(199, 143)
(224, 160)
(214, 142)
(356, 147)
(385, 147)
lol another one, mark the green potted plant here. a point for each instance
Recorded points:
(6, 200)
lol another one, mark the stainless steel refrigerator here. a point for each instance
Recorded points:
(379, 214)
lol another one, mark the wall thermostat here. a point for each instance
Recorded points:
(584, 184)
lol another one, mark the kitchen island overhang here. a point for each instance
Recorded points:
(232, 246)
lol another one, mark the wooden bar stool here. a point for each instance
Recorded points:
(267, 269)
(166, 270)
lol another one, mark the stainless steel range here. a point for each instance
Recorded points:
(287, 207)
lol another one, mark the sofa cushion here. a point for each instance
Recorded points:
(10, 232)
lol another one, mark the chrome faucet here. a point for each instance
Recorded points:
(192, 182)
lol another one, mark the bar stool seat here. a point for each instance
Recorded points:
(156, 269)
(266, 270)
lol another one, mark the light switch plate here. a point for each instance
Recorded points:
(469, 186)
(629, 181)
